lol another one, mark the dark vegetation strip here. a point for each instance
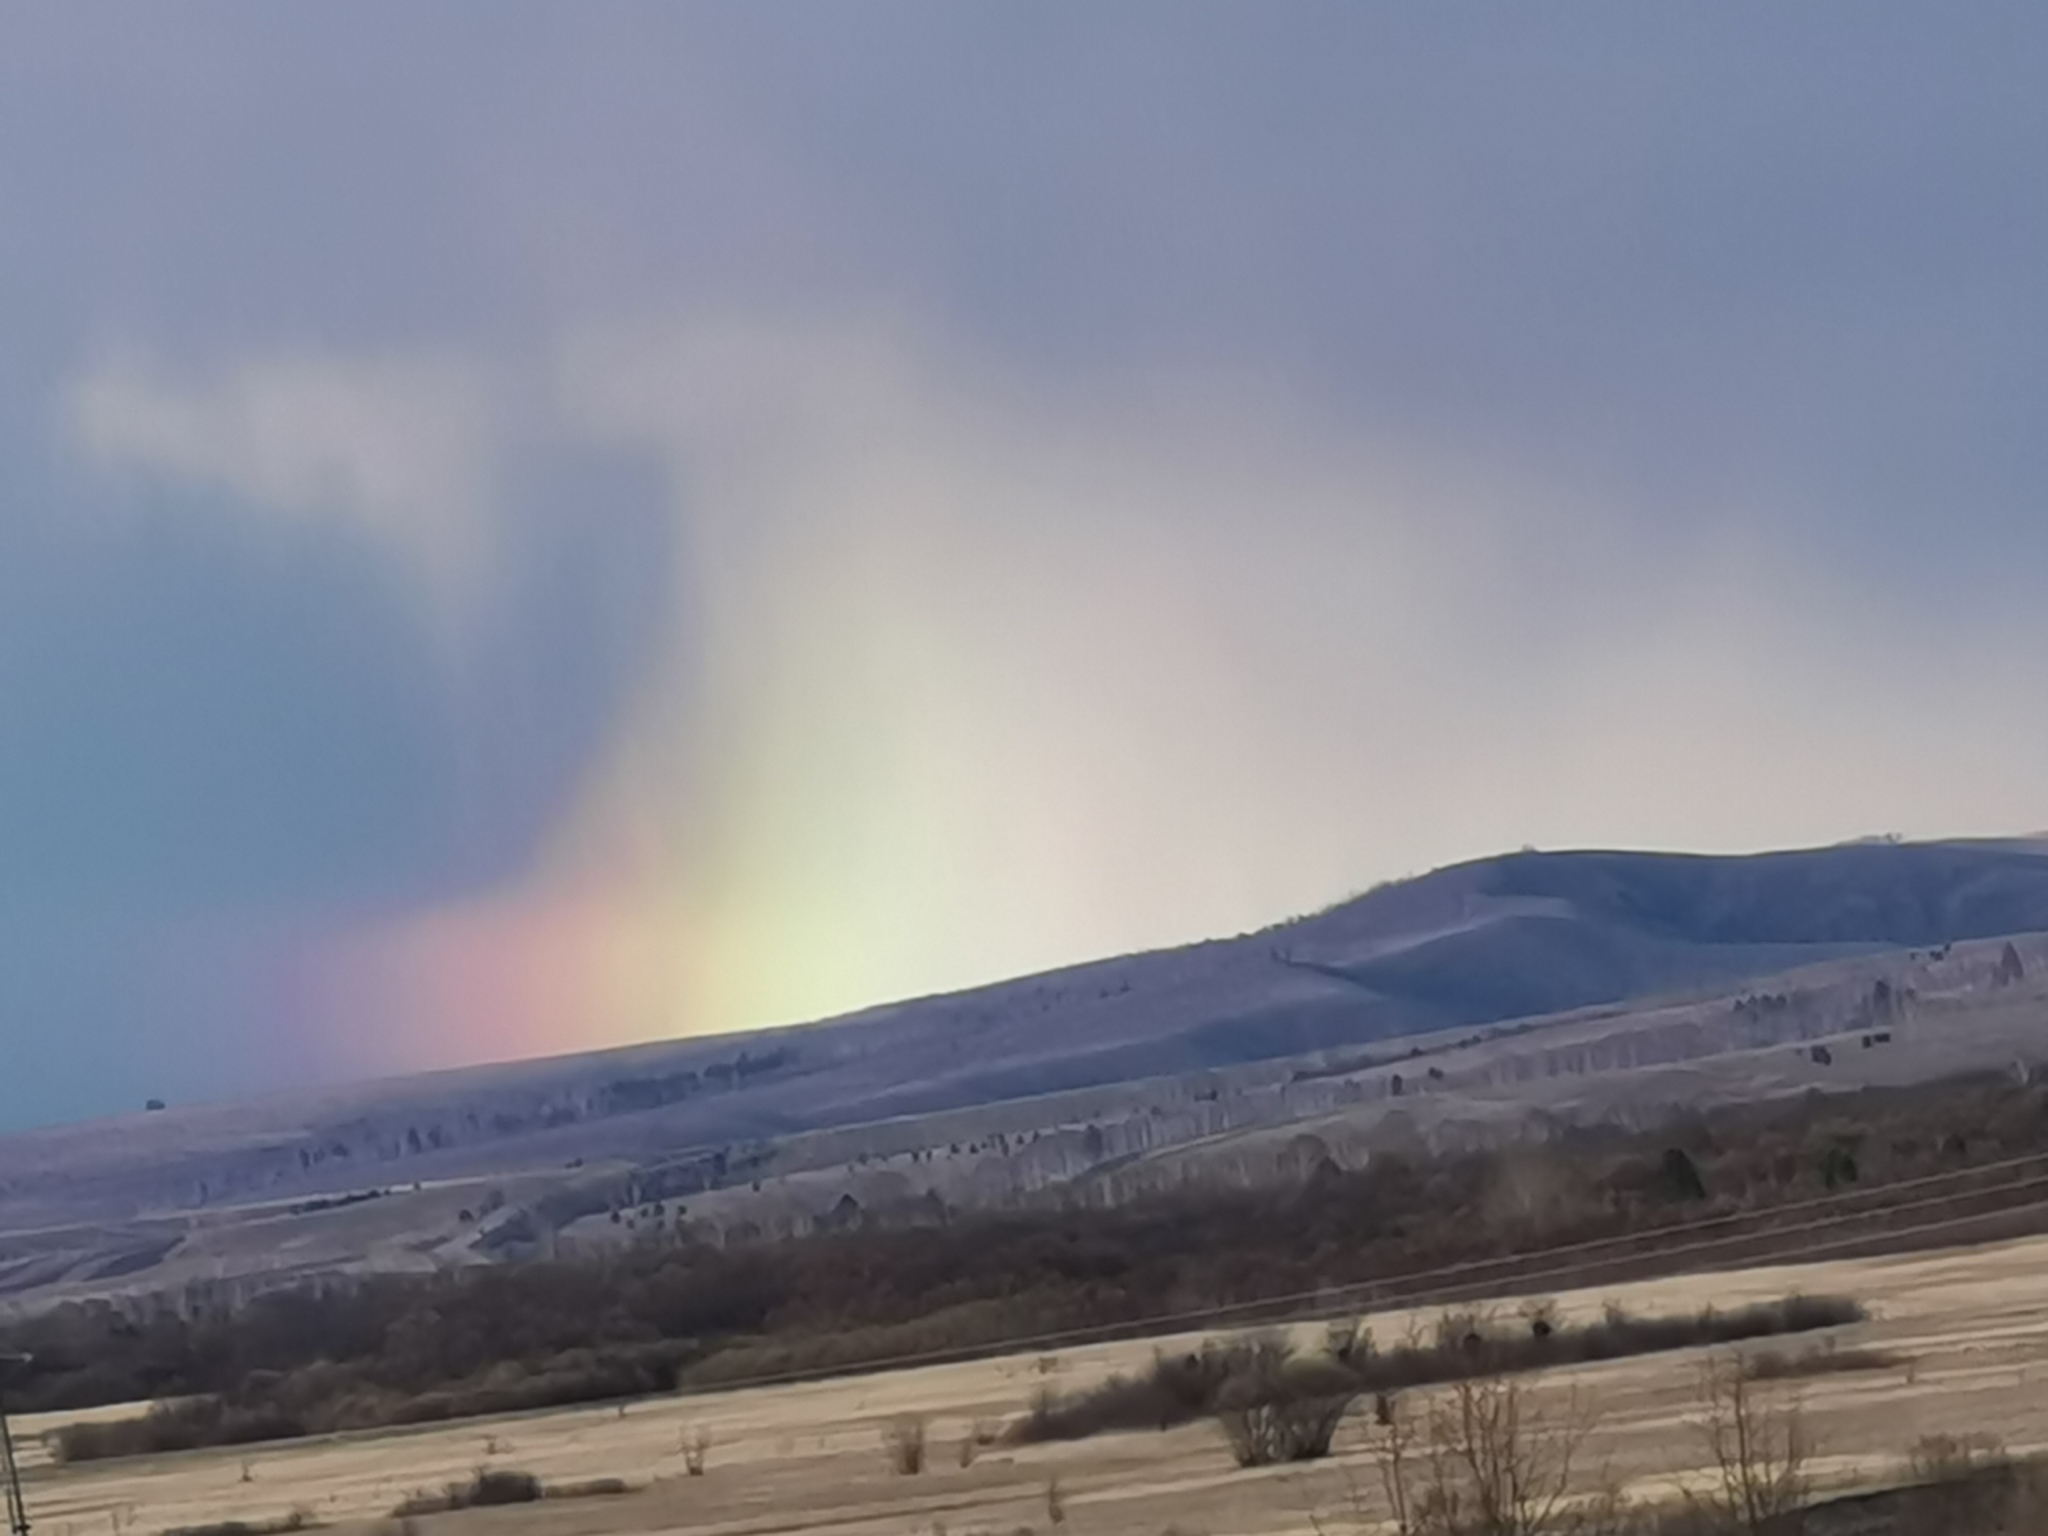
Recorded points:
(1182, 1387)
(1589, 1206)
(297, 1520)
(816, 1361)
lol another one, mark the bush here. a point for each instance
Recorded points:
(1279, 1426)
(297, 1520)
(903, 1441)
(1179, 1389)
(1275, 1408)
(503, 1485)
(490, 1486)
(1947, 1458)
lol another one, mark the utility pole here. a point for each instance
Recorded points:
(10, 1469)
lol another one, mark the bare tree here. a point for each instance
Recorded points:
(1760, 1452)
(1488, 1460)
(1500, 1465)
(1394, 1444)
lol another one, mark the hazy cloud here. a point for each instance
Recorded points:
(404, 445)
(981, 675)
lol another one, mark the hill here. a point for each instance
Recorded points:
(987, 1095)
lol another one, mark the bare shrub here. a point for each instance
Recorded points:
(903, 1442)
(1498, 1465)
(1759, 1454)
(695, 1444)
(1945, 1458)
(1274, 1408)
(1269, 1430)
(1394, 1447)
(1347, 1340)
(981, 1434)
(1486, 1460)
(1465, 1329)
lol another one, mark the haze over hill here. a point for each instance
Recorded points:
(1111, 1060)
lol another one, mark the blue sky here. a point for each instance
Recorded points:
(524, 527)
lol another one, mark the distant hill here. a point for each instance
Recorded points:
(1533, 933)
(1475, 944)
(1496, 939)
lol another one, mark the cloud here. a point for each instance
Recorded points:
(945, 670)
(986, 671)
(404, 445)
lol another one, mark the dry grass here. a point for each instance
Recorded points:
(1796, 1365)
(588, 1488)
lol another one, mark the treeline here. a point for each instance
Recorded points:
(649, 1318)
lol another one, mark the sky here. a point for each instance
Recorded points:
(533, 527)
